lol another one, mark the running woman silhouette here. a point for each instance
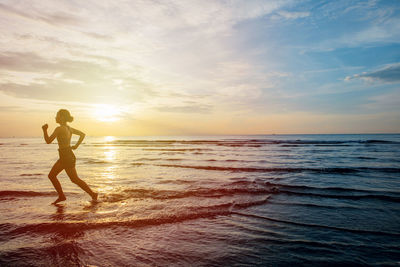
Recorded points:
(67, 158)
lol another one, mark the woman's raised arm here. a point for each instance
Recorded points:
(48, 138)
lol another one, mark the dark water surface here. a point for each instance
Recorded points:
(205, 201)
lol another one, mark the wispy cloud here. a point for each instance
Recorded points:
(70, 80)
(293, 14)
(373, 23)
(53, 18)
(193, 108)
(389, 73)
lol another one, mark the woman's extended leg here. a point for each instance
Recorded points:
(76, 180)
(55, 170)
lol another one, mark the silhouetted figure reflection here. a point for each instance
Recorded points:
(60, 212)
(67, 158)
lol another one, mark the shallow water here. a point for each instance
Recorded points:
(215, 200)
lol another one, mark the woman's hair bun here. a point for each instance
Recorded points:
(65, 115)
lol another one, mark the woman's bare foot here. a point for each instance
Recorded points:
(59, 199)
(94, 196)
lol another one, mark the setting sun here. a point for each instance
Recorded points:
(106, 113)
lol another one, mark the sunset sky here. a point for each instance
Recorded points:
(186, 67)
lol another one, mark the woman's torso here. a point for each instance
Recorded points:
(64, 136)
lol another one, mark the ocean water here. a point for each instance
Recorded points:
(273, 200)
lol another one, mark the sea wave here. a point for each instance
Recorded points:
(72, 227)
(342, 196)
(235, 188)
(333, 170)
(336, 189)
(178, 149)
(97, 161)
(8, 193)
(141, 193)
(241, 142)
(159, 159)
(11, 195)
(353, 230)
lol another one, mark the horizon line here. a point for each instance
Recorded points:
(187, 135)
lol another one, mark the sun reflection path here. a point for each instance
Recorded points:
(108, 176)
(110, 154)
(109, 172)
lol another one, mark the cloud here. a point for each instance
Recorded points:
(99, 36)
(54, 18)
(155, 47)
(53, 41)
(387, 32)
(390, 73)
(293, 15)
(12, 108)
(193, 108)
(59, 67)
(373, 23)
(64, 79)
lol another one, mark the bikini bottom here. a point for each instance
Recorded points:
(67, 157)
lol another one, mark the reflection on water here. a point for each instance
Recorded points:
(110, 153)
(92, 206)
(59, 215)
(109, 174)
